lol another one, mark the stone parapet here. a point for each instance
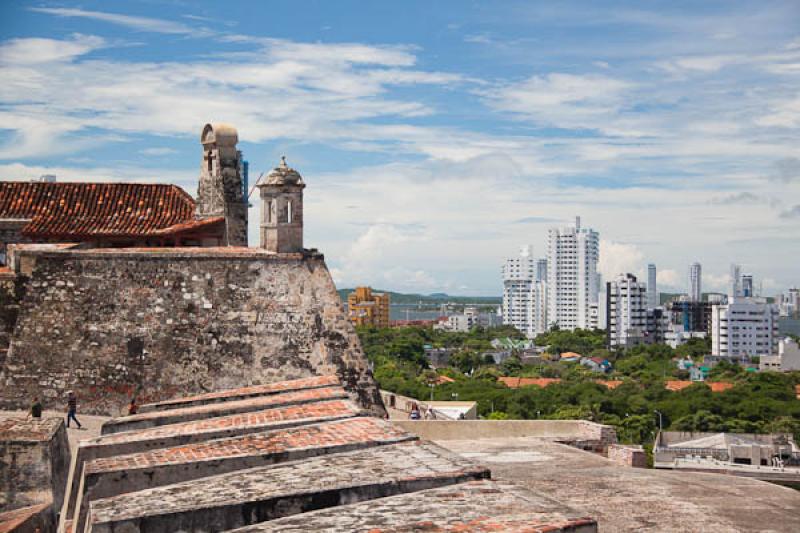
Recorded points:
(477, 506)
(628, 455)
(34, 462)
(256, 495)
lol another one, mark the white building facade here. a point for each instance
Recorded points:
(626, 310)
(572, 277)
(744, 327)
(524, 294)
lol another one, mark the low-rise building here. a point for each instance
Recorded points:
(787, 360)
(367, 308)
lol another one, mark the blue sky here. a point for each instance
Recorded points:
(437, 137)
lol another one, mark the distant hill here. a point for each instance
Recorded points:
(431, 299)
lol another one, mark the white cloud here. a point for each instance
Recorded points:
(563, 100)
(135, 23)
(16, 53)
(619, 258)
(281, 89)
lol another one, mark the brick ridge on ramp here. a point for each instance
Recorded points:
(242, 393)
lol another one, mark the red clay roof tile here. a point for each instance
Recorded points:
(83, 210)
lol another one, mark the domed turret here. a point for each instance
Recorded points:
(283, 174)
(282, 210)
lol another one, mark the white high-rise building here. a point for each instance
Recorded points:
(736, 281)
(695, 282)
(744, 327)
(652, 289)
(626, 310)
(572, 277)
(524, 294)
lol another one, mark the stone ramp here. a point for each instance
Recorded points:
(241, 393)
(171, 435)
(103, 478)
(31, 519)
(199, 412)
(287, 459)
(256, 495)
(477, 506)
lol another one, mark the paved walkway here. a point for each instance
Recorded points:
(636, 499)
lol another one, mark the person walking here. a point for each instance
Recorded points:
(36, 408)
(132, 407)
(72, 408)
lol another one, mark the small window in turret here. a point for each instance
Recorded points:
(289, 211)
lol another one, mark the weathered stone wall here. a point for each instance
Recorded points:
(627, 455)
(109, 324)
(34, 462)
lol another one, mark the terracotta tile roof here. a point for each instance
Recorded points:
(440, 380)
(515, 383)
(675, 385)
(610, 383)
(83, 210)
(720, 386)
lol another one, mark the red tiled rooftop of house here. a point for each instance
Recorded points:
(351, 431)
(719, 386)
(255, 390)
(81, 210)
(677, 385)
(515, 382)
(441, 380)
(570, 355)
(797, 391)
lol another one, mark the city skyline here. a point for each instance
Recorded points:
(433, 147)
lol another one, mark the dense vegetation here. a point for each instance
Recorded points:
(758, 402)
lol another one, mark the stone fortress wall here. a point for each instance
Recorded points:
(112, 323)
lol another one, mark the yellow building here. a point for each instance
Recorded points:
(367, 308)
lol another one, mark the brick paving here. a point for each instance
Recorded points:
(186, 414)
(477, 506)
(243, 392)
(250, 496)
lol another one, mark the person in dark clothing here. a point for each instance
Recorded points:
(132, 407)
(36, 408)
(72, 408)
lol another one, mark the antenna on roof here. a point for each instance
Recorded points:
(253, 188)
